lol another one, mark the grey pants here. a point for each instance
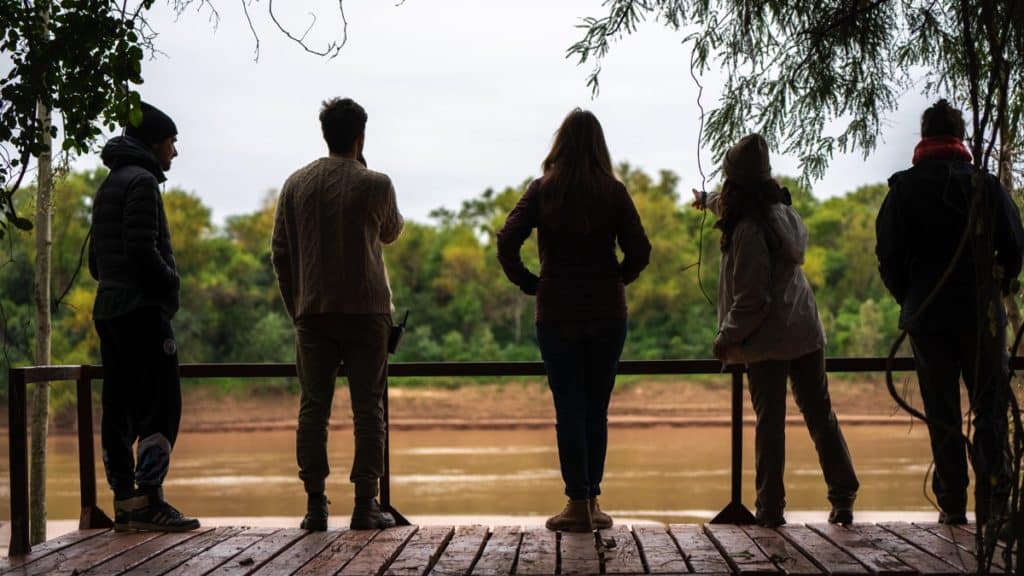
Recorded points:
(323, 341)
(810, 390)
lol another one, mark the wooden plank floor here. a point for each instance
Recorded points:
(891, 548)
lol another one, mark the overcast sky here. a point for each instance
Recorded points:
(462, 95)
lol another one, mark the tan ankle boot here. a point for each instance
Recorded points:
(600, 520)
(575, 517)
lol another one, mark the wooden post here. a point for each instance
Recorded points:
(92, 516)
(735, 512)
(385, 481)
(16, 424)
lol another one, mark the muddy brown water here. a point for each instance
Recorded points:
(660, 474)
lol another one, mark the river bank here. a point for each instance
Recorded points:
(527, 404)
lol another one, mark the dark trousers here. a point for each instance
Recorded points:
(581, 359)
(141, 399)
(942, 359)
(323, 341)
(810, 390)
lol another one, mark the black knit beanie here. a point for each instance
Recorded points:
(155, 127)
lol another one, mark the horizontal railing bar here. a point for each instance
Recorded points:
(435, 369)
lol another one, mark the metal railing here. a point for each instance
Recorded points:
(93, 517)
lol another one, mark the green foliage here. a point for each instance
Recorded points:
(76, 58)
(446, 272)
(819, 77)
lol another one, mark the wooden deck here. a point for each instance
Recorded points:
(889, 548)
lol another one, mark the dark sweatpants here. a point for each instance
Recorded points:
(810, 390)
(942, 359)
(141, 399)
(324, 341)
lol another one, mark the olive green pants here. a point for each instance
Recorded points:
(324, 341)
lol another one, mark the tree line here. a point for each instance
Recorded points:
(446, 273)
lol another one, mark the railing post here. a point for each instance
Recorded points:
(385, 481)
(17, 409)
(92, 516)
(735, 512)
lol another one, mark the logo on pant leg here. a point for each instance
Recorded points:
(170, 347)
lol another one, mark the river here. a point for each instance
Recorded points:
(660, 474)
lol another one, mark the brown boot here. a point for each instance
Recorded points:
(575, 517)
(600, 520)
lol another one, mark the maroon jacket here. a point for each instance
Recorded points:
(580, 276)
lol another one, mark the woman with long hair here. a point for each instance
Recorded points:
(580, 211)
(768, 320)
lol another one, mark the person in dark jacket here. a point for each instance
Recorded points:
(579, 210)
(130, 255)
(918, 229)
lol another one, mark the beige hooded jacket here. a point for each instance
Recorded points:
(766, 308)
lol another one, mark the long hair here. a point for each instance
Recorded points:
(751, 201)
(574, 187)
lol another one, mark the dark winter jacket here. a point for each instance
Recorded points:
(918, 229)
(580, 276)
(130, 251)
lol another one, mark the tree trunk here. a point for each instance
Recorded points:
(1006, 178)
(44, 241)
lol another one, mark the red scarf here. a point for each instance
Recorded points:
(947, 147)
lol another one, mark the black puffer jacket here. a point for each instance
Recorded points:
(918, 229)
(130, 252)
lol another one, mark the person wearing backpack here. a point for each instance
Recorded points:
(768, 320)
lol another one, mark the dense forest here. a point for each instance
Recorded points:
(445, 271)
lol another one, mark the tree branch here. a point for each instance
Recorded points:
(332, 49)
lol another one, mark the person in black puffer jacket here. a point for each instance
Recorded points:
(918, 229)
(130, 255)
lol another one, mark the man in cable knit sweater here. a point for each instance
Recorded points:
(332, 218)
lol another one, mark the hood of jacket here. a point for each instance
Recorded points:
(790, 232)
(123, 151)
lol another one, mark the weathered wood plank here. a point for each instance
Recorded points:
(326, 554)
(46, 548)
(93, 551)
(260, 553)
(460, 554)
(625, 557)
(864, 550)
(660, 550)
(702, 554)
(943, 549)
(780, 551)
(181, 553)
(538, 552)
(827, 555)
(423, 549)
(298, 553)
(1000, 544)
(221, 552)
(962, 539)
(919, 560)
(379, 552)
(739, 549)
(499, 553)
(143, 552)
(578, 553)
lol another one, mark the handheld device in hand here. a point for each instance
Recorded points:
(396, 334)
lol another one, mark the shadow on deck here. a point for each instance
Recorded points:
(886, 548)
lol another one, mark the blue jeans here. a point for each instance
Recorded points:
(581, 359)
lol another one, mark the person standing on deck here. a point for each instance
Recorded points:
(332, 218)
(130, 255)
(768, 320)
(918, 230)
(579, 210)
